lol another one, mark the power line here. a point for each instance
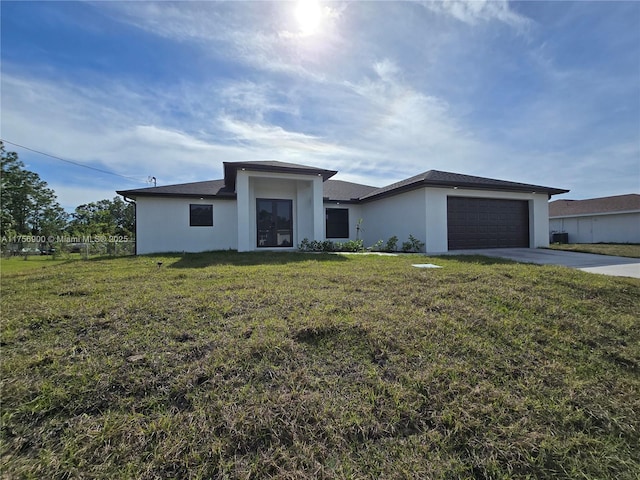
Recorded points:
(71, 161)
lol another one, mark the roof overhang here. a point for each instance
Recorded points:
(231, 170)
(594, 214)
(133, 195)
(426, 183)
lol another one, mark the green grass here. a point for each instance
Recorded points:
(616, 249)
(20, 264)
(263, 365)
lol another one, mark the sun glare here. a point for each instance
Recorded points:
(309, 16)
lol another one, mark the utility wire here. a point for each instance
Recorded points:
(71, 162)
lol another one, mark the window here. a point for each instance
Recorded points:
(275, 222)
(337, 222)
(200, 215)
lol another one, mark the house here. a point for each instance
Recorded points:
(275, 205)
(597, 220)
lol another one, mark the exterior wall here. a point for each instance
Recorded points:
(305, 191)
(162, 225)
(608, 228)
(540, 222)
(436, 238)
(423, 213)
(400, 215)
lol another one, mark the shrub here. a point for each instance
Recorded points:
(378, 246)
(412, 245)
(353, 246)
(327, 246)
(392, 244)
(305, 245)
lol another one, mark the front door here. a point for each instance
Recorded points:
(275, 222)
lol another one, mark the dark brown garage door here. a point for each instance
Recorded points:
(487, 223)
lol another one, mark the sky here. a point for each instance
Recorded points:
(541, 92)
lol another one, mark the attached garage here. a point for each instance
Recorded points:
(487, 223)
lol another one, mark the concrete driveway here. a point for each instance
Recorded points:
(587, 262)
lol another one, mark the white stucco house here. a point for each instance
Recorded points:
(275, 205)
(613, 219)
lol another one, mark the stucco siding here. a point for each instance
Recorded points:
(400, 215)
(162, 225)
(423, 213)
(608, 228)
(305, 192)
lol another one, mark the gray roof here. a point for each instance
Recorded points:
(437, 178)
(339, 190)
(336, 190)
(210, 188)
(591, 206)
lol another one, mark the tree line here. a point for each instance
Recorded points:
(28, 207)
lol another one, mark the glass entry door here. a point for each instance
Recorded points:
(275, 222)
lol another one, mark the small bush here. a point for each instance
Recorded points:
(378, 246)
(307, 245)
(353, 246)
(392, 244)
(327, 246)
(412, 245)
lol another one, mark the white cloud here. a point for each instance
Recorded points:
(119, 140)
(266, 36)
(74, 124)
(385, 130)
(473, 12)
(265, 141)
(410, 130)
(377, 106)
(386, 69)
(252, 100)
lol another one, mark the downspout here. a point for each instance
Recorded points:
(135, 222)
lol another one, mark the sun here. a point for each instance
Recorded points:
(309, 16)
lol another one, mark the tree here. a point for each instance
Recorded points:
(104, 217)
(28, 206)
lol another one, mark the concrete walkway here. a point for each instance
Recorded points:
(587, 262)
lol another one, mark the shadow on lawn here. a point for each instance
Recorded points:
(207, 259)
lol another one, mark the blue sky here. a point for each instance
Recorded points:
(537, 92)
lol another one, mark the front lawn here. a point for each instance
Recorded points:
(275, 365)
(617, 249)
(19, 264)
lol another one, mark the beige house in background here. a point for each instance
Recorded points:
(597, 220)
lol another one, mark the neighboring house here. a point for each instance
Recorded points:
(275, 205)
(597, 220)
